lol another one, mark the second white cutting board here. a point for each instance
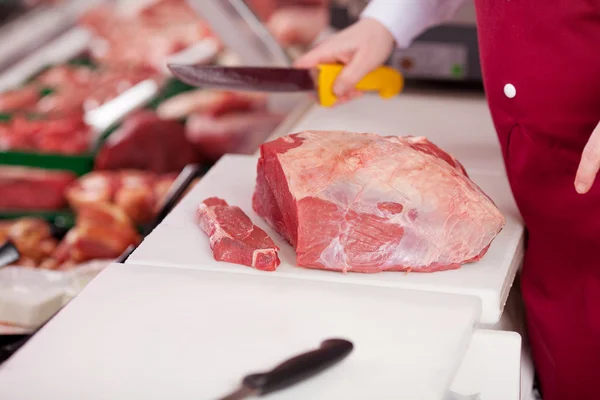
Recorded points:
(179, 242)
(140, 332)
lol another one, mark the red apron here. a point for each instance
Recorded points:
(541, 67)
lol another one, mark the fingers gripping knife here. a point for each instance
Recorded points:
(385, 80)
(243, 33)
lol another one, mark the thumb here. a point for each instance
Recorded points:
(589, 164)
(353, 72)
(319, 55)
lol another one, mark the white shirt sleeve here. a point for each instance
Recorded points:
(407, 19)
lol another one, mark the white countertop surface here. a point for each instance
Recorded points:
(179, 242)
(158, 333)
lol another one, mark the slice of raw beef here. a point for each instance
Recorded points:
(367, 203)
(234, 238)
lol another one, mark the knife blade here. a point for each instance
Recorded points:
(387, 81)
(242, 32)
(294, 370)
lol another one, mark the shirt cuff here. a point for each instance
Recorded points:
(407, 19)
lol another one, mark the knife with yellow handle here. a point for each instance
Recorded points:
(385, 80)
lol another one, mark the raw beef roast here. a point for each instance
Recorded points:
(234, 238)
(365, 203)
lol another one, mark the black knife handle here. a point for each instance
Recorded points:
(300, 367)
(8, 253)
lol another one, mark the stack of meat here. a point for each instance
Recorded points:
(144, 33)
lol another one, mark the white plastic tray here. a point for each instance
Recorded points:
(179, 242)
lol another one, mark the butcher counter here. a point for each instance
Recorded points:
(173, 323)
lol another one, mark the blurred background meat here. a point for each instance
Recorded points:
(221, 122)
(102, 231)
(154, 30)
(33, 238)
(146, 142)
(46, 133)
(213, 103)
(137, 193)
(238, 132)
(293, 22)
(17, 99)
(25, 188)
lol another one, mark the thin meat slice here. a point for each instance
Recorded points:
(234, 238)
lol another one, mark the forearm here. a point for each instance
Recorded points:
(407, 19)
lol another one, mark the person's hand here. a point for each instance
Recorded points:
(362, 47)
(589, 164)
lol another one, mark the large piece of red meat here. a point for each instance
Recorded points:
(233, 236)
(366, 203)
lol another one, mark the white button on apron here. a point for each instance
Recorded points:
(510, 91)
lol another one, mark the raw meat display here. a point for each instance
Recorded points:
(33, 238)
(24, 188)
(67, 135)
(234, 238)
(358, 202)
(146, 142)
(154, 31)
(77, 88)
(221, 122)
(239, 132)
(68, 88)
(102, 231)
(19, 99)
(213, 103)
(137, 193)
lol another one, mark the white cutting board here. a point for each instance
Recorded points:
(140, 332)
(491, 367)
(179, 242)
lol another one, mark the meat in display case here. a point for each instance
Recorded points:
(94, 131)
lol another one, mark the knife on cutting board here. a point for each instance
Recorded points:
(294, 370)
(387, 81)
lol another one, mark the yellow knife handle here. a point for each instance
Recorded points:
(385, 80)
